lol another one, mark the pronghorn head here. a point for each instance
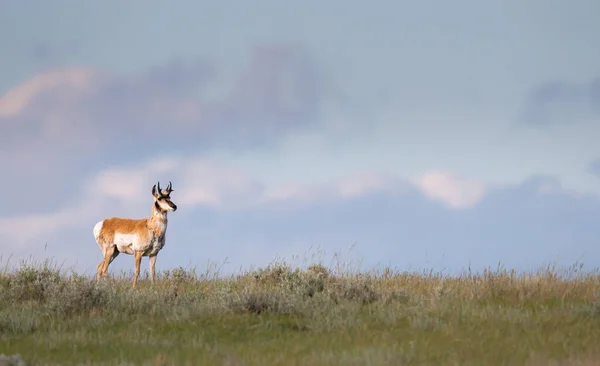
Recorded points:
(162, 198)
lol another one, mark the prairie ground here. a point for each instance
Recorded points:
(280, 315)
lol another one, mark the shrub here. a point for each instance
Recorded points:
(13, 360)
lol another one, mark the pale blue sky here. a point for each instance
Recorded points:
(490, 92)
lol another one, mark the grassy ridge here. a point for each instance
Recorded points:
(316, 316)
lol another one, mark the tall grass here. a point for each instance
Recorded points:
(315, 315)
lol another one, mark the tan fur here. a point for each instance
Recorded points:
(124, 226)
(139, 237)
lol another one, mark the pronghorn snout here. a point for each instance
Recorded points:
(174, 206)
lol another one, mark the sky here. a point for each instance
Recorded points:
(424, 135)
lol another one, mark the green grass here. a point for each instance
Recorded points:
(315, 316)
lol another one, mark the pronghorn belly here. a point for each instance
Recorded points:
(127, 243)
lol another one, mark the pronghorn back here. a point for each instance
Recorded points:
(113, 226)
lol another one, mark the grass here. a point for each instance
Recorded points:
(281, 315)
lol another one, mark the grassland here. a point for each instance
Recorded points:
(280, 315)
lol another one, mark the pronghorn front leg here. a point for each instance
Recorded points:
(152, 264)
(138, 260)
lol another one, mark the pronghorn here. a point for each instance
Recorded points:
(140, 237)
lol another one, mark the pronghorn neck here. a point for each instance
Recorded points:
(157, 212)
(158, 220)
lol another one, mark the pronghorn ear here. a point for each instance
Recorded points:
(154, 190)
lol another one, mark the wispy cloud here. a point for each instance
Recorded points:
(202, 182)
(399, 224)
(69, 83)
(126, 183)
(280, 90)
(562, 103)
(594, 168)
(68, 122)
(454, 192)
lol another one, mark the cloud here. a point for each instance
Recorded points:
(202, 183)
(46, 53)
(130, 183)
(519, 225)
(69, 122)
(281, 89)
(113, 190)
(69, 83)
(562, 103)
(454, 192)
(207, 183)
(229, 212)
(196, 180)
(348, 187)
(126, 190)
(514, 224)
(34, 227)
(594, 168)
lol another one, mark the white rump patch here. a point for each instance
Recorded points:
(98, 229)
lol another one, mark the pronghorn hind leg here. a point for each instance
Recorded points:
(100, 266)
(99, 269)
(113, 256)
(108, 257)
